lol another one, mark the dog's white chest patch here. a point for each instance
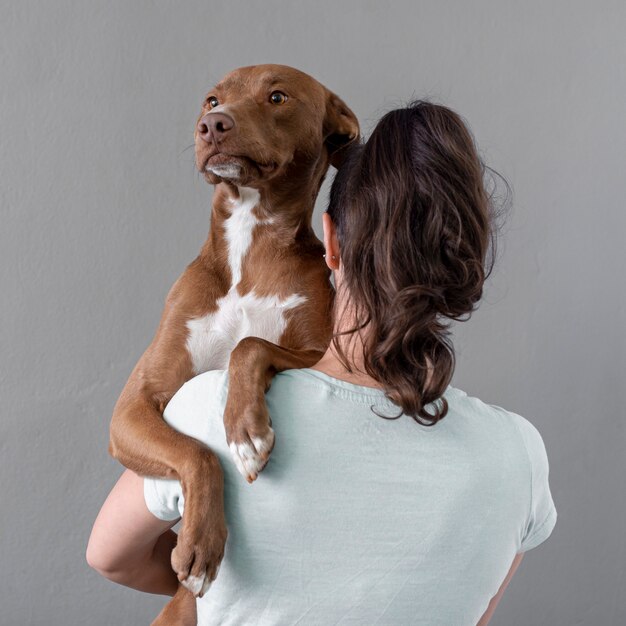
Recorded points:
(212, 337)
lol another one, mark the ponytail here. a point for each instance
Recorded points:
(415, 228)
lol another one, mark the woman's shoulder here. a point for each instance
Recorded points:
(204, 384)
(201, 396)
(517, 429)
(519, 447)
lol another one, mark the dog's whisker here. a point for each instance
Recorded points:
(187, 148)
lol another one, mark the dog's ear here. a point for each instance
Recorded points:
(341, 128)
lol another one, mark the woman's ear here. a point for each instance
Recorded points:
(331, 244)
(341, 128)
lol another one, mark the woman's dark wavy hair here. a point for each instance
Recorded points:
(416, 231)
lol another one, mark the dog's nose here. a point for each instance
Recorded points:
(216, 124)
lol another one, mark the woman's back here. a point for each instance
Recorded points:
(363, 520)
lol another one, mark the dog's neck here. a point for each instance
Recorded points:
(287, 210)
(287, 205)
(246, 220)
(290, 197)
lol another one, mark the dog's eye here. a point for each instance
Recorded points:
(278, 97)
(212, 102)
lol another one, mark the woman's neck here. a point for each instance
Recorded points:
(336, 370)
(352, 344)
(330, 364)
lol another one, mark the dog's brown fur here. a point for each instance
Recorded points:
(283, 151)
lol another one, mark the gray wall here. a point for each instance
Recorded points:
(101, 209)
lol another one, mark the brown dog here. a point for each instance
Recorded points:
(255, 300)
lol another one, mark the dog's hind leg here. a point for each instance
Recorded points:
(179, 611)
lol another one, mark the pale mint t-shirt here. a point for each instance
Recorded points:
(361, 520)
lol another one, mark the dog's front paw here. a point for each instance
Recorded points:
(252, 456)
(250, 438)
(197, 556)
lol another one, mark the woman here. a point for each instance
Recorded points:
(358, 518)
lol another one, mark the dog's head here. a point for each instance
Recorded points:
(262, 121)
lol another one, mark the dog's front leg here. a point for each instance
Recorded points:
(145, 443)
(142, 441)
(253, 363)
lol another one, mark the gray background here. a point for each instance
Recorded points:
(102, 209)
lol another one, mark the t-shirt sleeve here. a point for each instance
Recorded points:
(542, 514)
(164, 498)
(196, 411)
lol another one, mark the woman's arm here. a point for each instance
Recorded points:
(129, 545)
(484, 620)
